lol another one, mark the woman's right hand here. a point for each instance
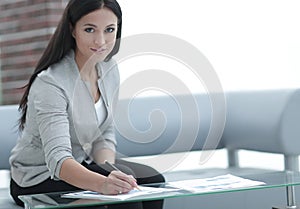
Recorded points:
(118, 182)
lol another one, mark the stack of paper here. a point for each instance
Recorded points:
(223, 182)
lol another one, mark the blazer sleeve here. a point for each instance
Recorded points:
(50, 106)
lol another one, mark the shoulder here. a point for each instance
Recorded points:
(111, 63)
(62, 72)
(109, 71)
(110, 66)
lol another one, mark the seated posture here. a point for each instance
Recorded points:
(67, 130)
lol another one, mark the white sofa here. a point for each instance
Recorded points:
(264, 121)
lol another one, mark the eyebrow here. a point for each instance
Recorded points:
(89, 24)
(92, 25)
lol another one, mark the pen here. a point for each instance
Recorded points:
(116, 169)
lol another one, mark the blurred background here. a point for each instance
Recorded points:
(25, 29)
(251, 44)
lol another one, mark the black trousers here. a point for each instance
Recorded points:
(144, 175)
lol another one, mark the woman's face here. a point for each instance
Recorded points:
(95, 34)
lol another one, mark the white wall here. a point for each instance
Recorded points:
(252, 44)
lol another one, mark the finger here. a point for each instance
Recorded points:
(123, 184)
(128, 178)
(124, 177)
(120, 181)
(131, 176)
(120, 190)
(112, 187)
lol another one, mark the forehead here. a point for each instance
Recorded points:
(100, 17)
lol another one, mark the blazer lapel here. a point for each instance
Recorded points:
(85, 121)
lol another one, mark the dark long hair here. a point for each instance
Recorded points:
(62, 40)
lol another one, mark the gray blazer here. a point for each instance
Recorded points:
(61, 121)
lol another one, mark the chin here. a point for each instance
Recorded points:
(98, 58)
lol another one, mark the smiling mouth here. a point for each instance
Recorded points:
(101, 50)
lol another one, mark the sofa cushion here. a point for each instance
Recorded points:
(168, 124)
(8, 132)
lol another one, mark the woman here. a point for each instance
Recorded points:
(66, 121)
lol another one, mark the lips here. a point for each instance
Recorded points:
(99, 50)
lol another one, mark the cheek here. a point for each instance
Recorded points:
(111, 40)
(82, 42)
(81, 39)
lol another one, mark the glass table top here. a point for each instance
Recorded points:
(55, 200)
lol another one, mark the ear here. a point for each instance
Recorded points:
(72, 31)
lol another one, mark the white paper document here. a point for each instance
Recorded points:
(218, 183)
(133, 193)
(223, 182)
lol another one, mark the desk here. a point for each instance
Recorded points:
(272, 180)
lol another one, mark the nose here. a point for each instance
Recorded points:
(99, 39)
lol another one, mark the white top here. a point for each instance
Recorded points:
(101, 111)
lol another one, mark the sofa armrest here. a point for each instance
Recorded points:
(267, 121)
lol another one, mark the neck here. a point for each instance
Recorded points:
(86, 67)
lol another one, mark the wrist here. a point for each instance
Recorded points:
(100, 183)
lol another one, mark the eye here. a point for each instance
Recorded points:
(89, 30)
(110, 30)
